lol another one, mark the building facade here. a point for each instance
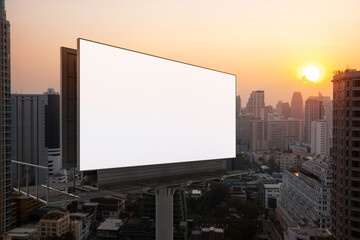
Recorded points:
(284, 109)
(305, 195)
(259, 135)
(345, 207)
(313, 112)
(297, 106)
(276, 132)
(54, 223)
(320, 137)
(293, 161)
(243, 132)
(5, 125)
(271, 195)
(255, 103)
(35, 132)
(289, 161)
(285, 132)
(317, 108)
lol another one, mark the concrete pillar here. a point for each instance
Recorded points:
(164, 214)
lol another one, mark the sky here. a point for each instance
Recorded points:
(265, 43)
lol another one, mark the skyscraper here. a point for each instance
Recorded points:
(277, 132)
(52, 130)
(255, 103)
(345, 203)
(35, 131)
(297, 106)
(5, 125)
(320, 137)
(283, 108)
(312, 113)
(317, 108)
(243, 132)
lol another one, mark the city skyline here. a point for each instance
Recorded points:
(265, 46)
(152, 148)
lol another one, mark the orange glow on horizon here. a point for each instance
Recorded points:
(266, 44)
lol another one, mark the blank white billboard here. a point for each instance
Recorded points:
(136, 109)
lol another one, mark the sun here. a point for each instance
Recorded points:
(312, 73)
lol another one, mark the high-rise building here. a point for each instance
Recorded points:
(238, 105)
(317, 108)
(320, 137)
(313, 112)
(285, 132)
(279, 107)
(277, 132)
(5, 125)
(345, 207)
(255, 103)
(259, 135)
(297, 106)
(283, 108)
(265, 112)
(52, 130)
(305, 195)
(243, 132)
(286, 110)
(22, 207)
(35, 129)
(328, 115)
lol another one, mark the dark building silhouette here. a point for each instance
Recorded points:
(297, 106)
(283, 108)
(52, 120)
(345, 202)
(5, 125)
(255, 103)
(286, 110)
(238, 105)
(52, 130)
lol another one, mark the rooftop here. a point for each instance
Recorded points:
(79, 214)
(23, 231)
(54, 214)
(111, 224)
(272, 185)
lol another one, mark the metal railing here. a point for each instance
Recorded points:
(37, 167)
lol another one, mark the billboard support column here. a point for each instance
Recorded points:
(164, 214)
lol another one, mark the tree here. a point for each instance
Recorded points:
(251, 210)
(218, 193)
(213, 202)
(236, 203)
(243, 231)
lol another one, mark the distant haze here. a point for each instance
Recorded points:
(264, 43)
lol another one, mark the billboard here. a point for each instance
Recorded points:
(136, 109)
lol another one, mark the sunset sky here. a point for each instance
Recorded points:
(265, 43)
